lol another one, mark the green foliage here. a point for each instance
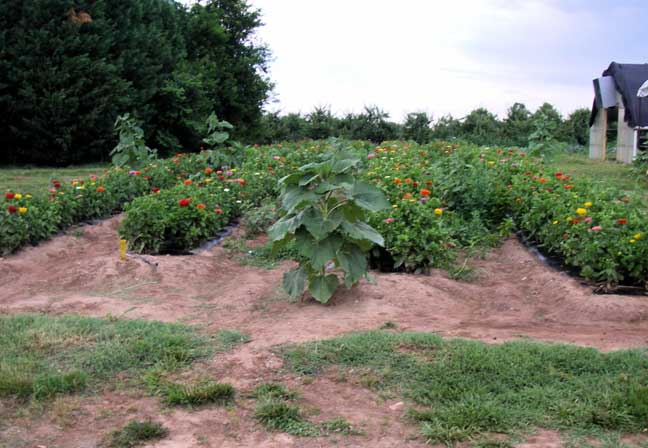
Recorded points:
(131, 150)
(417, 127)
(45, 356)
(67, 70)
(228, 339)
(463, 389)
(273, 391)
(136, 433)
(325, 215)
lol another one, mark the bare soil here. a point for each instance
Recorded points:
(514, 296)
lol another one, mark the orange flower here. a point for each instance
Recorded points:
(397, 181)
(208, 170)
(201, 206)
(408, 181)
(428, 183)
(100, 189)
(407, 195)
(425, 192)
(218, 211)
(188, 182)
(543, 180)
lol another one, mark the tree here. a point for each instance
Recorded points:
(481, 127)
(447, 127)
(576, 127)
(517, 125)
(417, 127)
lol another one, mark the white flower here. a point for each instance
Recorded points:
(226, 189)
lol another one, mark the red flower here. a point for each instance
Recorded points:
(147, 177)
(184, 202)
(408, 181)
(201, 206)
(425, 192)
(56, 184)
(100, 189)
(558, 175)
(188, 182)
(218, 211)
(241, 182)
(155, 190)
(208, 170)
(569, 186)
(12, 209)
(9, 195)
(622, 221)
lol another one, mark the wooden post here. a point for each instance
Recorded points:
(598, 136)
(625, 139)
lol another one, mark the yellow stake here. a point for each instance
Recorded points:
(123, 244)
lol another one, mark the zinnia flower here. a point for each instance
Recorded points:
(9, 195)
(407, 196)
(22, 210)
(425, 192)
(428, 183)
(596, 229)
(201, 206)
(218, 211)
(12, 209)
(622, 221)
(155, 190)
(100, 189)
(188, 182)
(389, 220)
(438, 211)
(184, 202)
(581, 211)
(637, 236)
(588, 204)
(208, 170)
(18, 196)
(371, 155)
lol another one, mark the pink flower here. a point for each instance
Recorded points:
(389, 220)
(371, 155)
(588, 219)
(596, 229)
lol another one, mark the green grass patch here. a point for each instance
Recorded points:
(228, 339)
(204, 392)
(136, 433)
(36, 181)
(276, 391)
(463, 389)
(619, 175)
(41, 356)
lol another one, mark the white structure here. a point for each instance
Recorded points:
(623, 86)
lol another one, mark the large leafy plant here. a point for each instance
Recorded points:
(325, 211)
(220, 154)
(131, 150)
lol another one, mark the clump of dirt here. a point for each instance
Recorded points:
(514, 296)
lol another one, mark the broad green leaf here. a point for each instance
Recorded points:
(319, 227)
(341, 166)
(304, 243)
(294, 196)
(363, 231)
(354, 263)
(285, 225)
(307, 179)
(325, 250)
(352, 212)
(294, 282)
(368, 197)
(290, 179)
(322, 287)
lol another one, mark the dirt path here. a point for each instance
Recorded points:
(514, 296)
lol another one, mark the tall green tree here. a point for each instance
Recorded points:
(417, 127)
(481, 127)
(517, 125)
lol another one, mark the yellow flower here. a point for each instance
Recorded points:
(570, 219)
(637, 236)
(555, 222)
(412, 200)
(28, 196)
(18, 196)
(438, 211)
(22, 210)
(491, 163)
(209, 179)
(394, 206)
(581, 211)
(588, 204)
(75, 182)
(632, 241)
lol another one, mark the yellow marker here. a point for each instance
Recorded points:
(123, 244)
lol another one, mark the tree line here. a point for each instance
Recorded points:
(520, 127)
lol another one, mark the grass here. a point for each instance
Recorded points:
(276, 414)
(42, 356)
(465, 389)
(609, 172)
(204, 392)
(228, 339)
(260, 256)
(136, 433)
(36, 181)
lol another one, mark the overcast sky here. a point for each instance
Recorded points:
(446, 56)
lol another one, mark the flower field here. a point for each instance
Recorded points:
(445, 198)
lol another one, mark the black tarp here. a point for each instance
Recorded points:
(628, 78)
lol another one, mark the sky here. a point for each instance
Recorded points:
(445, 56)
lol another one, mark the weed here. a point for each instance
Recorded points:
(198, 394)
(228, 339)
(136, 433)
